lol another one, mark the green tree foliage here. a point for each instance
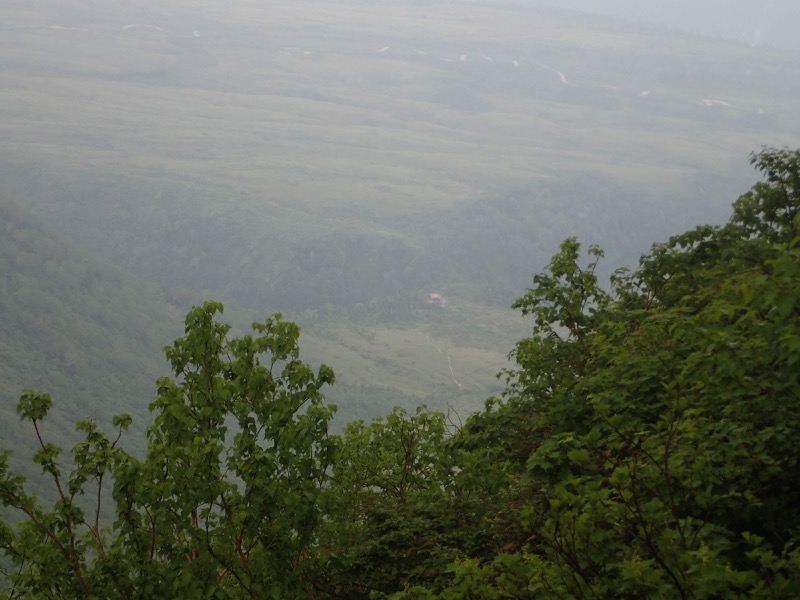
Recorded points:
(227, 500)
(645, 447)
(389, 475)
(660, 420)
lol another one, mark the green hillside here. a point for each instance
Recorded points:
(644, 445)
(388, 175)
(421, 145)
(69, 323)
(92, 335)
(339, 162)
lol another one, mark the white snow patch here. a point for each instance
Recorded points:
(384, 49)
(488, 58)
(462, 58)
(196, 33)
(644, 94)
(418, 51)
(137, 26)
(515, 63)
(713, 102)
(562, 78)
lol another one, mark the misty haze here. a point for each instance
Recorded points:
(388, 175)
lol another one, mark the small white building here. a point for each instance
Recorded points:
(436, 299)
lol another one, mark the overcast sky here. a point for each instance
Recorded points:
(757, 22)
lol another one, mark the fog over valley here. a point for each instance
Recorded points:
(399, 299)
(342, 162)
(755, 22)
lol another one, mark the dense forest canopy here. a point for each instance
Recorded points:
(645, 445)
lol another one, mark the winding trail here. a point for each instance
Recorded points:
(449, 362)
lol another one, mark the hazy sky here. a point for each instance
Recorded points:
(757, 22)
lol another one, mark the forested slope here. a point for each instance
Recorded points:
(645, 446)
(86, 331)
(308, 153)
(339, 162)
